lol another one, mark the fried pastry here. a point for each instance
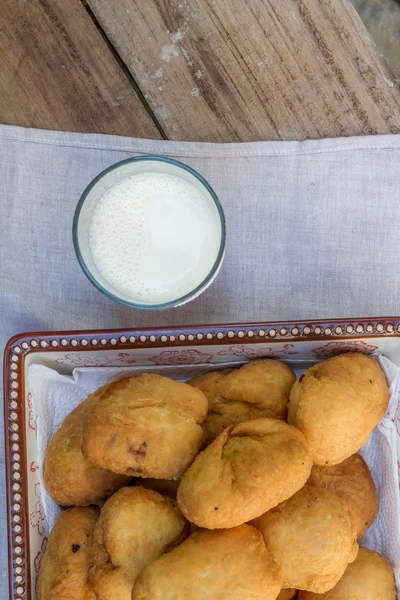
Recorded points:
(337, 404)
(233, 564)
(312, 539)
(64, 570)
(352, 480)
(70, 478)
(135, 527)
(246, 471)
(145, 426)
(369, 577)
(256, 390)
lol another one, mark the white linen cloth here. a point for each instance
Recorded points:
(312, 232)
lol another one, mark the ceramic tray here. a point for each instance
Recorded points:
(293, 342)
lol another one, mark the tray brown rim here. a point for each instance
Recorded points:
(21, 345)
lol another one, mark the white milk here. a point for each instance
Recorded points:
(155, 237)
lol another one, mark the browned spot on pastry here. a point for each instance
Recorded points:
(111, 440)
(137, 470)
(141, 451)
(75, 548)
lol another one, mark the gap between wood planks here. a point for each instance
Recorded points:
(125, 69)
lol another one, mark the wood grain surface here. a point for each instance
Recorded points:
(231, 70)
(57, 72)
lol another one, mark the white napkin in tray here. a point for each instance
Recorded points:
(55, 395)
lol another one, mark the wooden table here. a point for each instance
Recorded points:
(212, 70)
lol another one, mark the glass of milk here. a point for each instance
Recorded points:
(149, 232)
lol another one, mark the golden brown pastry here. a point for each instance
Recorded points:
(369, 577)
(64, 570)
(352, 480)
(145, 426)
(166, 487)
(312, 539)
(70, 478)
(213, 565)
(135, 527)
(256, 390)
(337, 404)
(287, 594)
(246, 471)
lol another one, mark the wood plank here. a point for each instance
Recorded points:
(230, 70)
(57, 72)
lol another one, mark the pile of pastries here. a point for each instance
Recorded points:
(240, 484)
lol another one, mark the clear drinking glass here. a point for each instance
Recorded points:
(101, 185)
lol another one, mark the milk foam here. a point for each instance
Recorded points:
(154, 237)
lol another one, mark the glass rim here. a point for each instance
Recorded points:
(172, 303)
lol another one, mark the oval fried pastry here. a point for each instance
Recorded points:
(256, 390)
(135, 527)
(233, 564)
(246, 471)
(312, 539)
(369, 577)
(337, 403)
(145, 426)
(70, 478)
(352, 481)
(64, 570)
